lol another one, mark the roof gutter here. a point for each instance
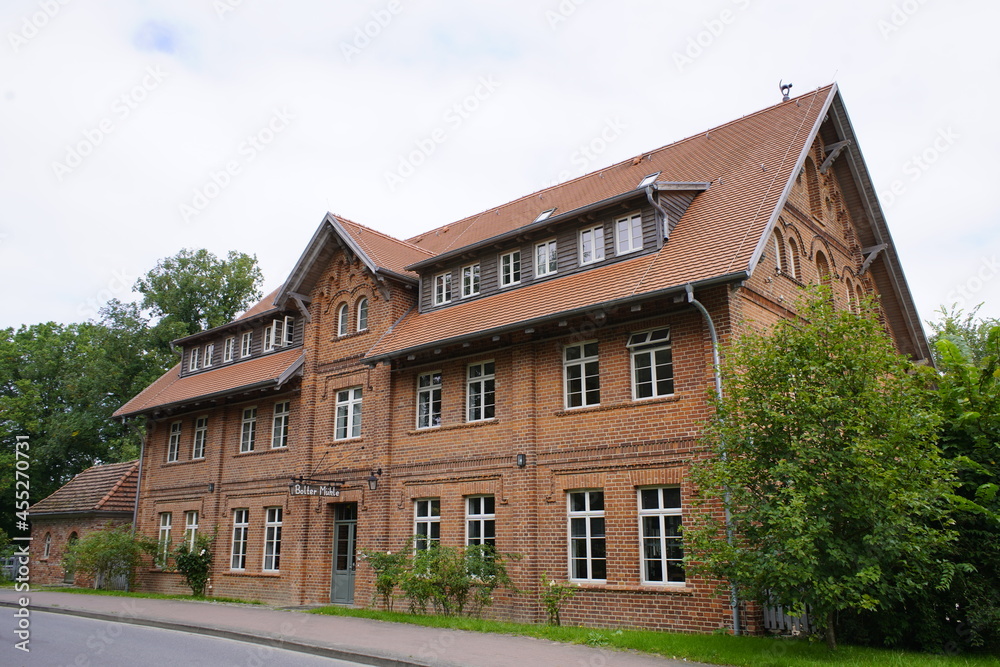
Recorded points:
(677, 289)
(265, 384)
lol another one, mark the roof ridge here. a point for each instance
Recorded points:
(384, 235)
(475, 216)
(118, 484)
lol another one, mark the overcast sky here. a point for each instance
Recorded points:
(133, 129)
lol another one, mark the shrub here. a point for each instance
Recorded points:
(389, 570)
(552, 595)
(111, 551)
(195, 564)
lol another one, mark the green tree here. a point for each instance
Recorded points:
(200, 291)
(824, 441)
(111, 551)
(969, 393)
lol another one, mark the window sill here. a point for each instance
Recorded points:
(342, 441)
(261, 451)
(170, 464)
(244, 573)
(453, 427)
(673, 398)
(353, 334)
(668, 589)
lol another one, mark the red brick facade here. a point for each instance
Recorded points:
(622, 444)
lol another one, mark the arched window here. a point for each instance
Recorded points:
(823, 269)
(812, 186)
(851, 299)
(363, 314)
(780, 262)
(793, 258)
(343, 320)
(48, 545)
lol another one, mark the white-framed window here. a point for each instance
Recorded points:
(480, 520)
(48, 545)
(546, 259)
(363, 314)
(288, 329)
(426, 523)
(429, 399)
(662, 549)
(269, 338)
(480, 392)
(248, 434)
(209, 354)
(588, 559)
(194, 361)
(348, 413)
(241, 530)
(628, 233)
(581, 373)
(272, 539)
(246, 344)
(174, 443)
(200, 436)
(510, 268)
(343, 320)
(652, 363)
(442, 288)
(592, 245)
(470, 280)
(229, 349)
(190, 528)
(163, 540)
(279, 430)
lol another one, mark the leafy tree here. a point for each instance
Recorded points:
(824, 441)
(200, 291)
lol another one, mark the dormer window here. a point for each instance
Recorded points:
(246, 344)
(269, 338)
(289, 328)
(592, 245)
(442, 288)
(470, 280)
(546, 260)
(510, 268)
(209, 353)
(194, 361)
(628, 233)
(229, 349)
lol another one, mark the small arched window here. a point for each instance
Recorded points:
(780, 261)
(343, 320)
(823, 269)
(812, 186)
(48, 545)
(363, 314)
(851, 299)
(793, 258)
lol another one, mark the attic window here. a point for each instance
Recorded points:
(544, 214)
(647, 181)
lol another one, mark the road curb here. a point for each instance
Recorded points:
(312, 649)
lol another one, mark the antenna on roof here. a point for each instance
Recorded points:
(785, 89)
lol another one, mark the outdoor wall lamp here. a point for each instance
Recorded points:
(373, 479)
(522, 460)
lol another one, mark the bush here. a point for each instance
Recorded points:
(552, 595)
(111, 551)
(449, 580)
(195, 564)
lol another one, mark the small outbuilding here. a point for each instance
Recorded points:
(94, 498)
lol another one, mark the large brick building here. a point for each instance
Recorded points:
(532, 376)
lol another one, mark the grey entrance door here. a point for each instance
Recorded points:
(344, 553)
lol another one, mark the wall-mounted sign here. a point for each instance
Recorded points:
(311, 487)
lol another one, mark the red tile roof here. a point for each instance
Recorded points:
(104, 488)
(171, 388)
(384, 251)
(262, 306)
(749, 162)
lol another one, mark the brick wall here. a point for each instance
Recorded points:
(57, 530)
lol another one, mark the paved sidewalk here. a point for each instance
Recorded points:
(362, 640)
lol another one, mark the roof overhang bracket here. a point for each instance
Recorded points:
(832, 151)
(300, 301)
(871, 252)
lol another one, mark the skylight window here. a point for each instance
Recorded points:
(544, 214)
(647, 181)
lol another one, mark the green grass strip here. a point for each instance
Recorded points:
(151, 596)
(716, 648)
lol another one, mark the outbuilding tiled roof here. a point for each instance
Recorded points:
(104, 488)
(171, 388)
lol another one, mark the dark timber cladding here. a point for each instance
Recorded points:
(555, 418)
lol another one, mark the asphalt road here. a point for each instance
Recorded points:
(60, 639)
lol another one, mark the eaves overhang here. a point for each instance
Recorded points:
(514, 326)
(554, 220)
